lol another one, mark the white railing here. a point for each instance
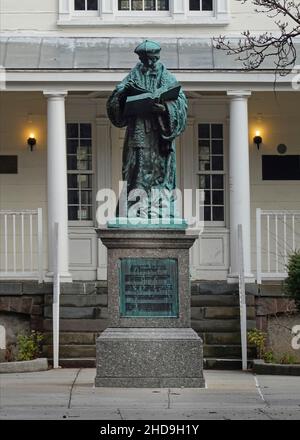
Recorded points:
(242, 296)
(21, 244)
(277, 236)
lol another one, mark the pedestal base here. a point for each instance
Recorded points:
(149, 358)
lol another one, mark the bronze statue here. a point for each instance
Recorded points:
(153, 107)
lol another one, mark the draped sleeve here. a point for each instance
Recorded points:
(116, 103)
(173, 121)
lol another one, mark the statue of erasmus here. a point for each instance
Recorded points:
(153, 107)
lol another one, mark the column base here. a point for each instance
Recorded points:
(149, 358)
(234, 278)
(65, 277)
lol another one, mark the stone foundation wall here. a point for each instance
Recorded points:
(21, 310)
(277, 315)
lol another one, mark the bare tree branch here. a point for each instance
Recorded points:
(253, 50)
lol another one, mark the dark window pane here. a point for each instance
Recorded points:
(72, 181)
(201, 182)
(92, 5)
(85, 130)
(73, 212)
(207, 214)
(72, 146)
(207, 182)
(72, 130)
(217, 147)
(218, 198)
(137, 5)
(72, 162)
(86, 197)
(85, 213)
(204, 143)
(217, 163)
(204, 153)
(194, 5)
(217, 131)
(163, 5)
(207, 198)
(203, 131)
(123, 5)
(207, 5)
(218, 214)
(79, 5)
(149, 5)
(85, 181)
(85, 165)
(204, 165)
(217, 181)
(73, 197)
(85, 142)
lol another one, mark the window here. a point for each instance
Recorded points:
(80, 171)
(211, 170)
(143, 5)
(201, 5)
(141, 12)
(86, 5)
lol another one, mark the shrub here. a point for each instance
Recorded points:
(259, 338)
(292, 283)
(29, 346)
(287, 359)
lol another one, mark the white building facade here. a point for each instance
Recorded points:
(61, 60)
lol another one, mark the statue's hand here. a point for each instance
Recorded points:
(158, 108)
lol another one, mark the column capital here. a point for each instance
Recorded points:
(239, 94)
(55, 94)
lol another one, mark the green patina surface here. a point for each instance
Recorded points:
(148, 287)
(149, 154)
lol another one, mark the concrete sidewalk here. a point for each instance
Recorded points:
(70, 394)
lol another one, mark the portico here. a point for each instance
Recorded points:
(78, 96)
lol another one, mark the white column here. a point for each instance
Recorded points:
(239, 182)
(57, 182)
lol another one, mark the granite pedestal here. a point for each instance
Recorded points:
(149, 342)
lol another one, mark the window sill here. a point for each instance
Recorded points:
(138, 21)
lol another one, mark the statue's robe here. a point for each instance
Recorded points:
(149, 155)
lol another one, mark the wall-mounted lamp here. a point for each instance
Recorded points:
(31, 141)
(257, 139)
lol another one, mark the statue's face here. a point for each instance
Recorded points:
(150, 61)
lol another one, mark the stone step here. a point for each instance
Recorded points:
(224, 364)
(78, 312)
(228, 312)
(226, 351)
(204, 300)
(76, 362)
(73, 300)
(224, 338)
(219, 325)
(72, 338)
(72, 351)
(78, 325)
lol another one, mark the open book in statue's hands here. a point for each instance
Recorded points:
(142, 103)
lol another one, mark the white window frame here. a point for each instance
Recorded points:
(212, 223)
(109, 15)
(201, 13)
(91, 172)
(84, 13)
(144, 14)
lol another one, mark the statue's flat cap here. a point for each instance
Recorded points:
(148, 47)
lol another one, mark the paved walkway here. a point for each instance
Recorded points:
(70, 394)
